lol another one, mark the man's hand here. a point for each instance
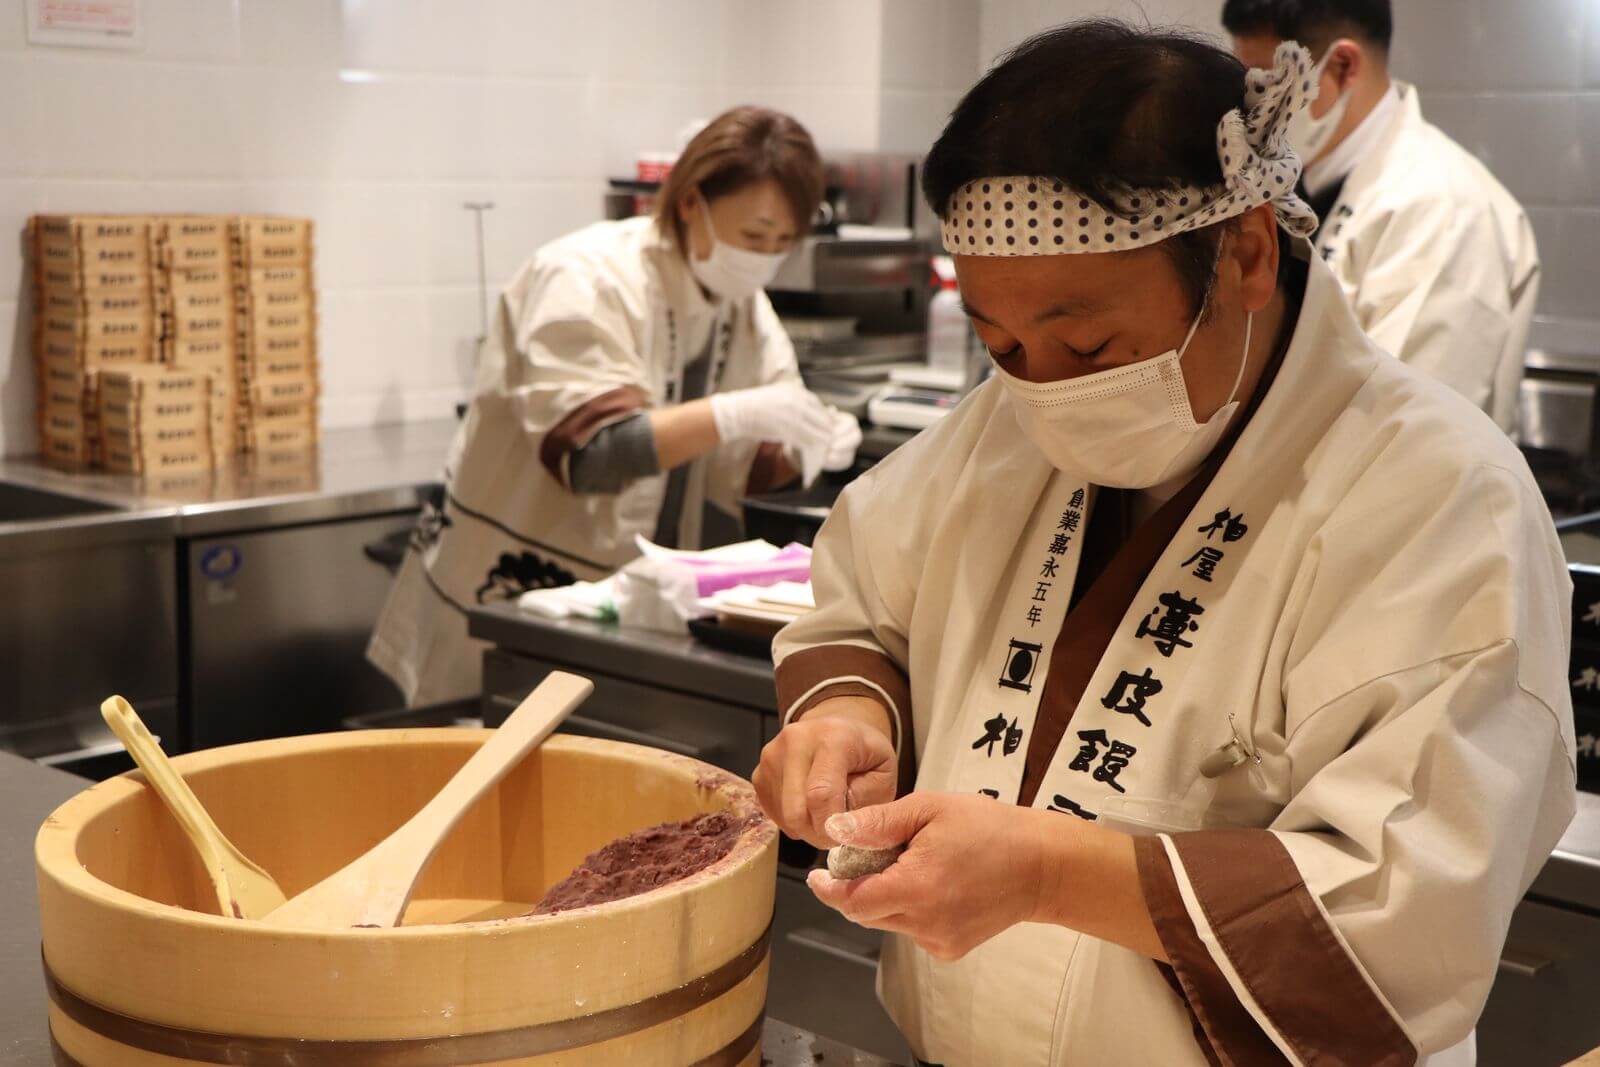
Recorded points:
(973, 867)
(835, 757)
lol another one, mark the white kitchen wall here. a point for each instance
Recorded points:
(1519, 84)
(1005, 23)
(931, 53)
(379, 118)
(1515, 81)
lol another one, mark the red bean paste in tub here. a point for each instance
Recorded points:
(647, 859)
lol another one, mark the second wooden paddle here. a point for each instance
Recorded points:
(373, 889)
(243, 889)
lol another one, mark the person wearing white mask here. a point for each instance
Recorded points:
(1437, 257)
(638, 383)
(1208, 663)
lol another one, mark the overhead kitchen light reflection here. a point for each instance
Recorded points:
(357, 77)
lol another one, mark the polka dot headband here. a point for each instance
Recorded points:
(1039, 216)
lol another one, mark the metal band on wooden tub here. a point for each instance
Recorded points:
(245, 1050)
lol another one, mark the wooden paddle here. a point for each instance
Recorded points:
(373, 889)
(244, 890)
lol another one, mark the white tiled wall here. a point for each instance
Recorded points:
(1519, 84)
(931, 53)
(378, 118)
(1005, 23)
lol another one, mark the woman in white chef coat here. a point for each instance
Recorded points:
(1215, 658)
(639, 374)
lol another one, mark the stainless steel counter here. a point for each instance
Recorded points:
(1573, 874)
(353, 472)
(28, 792)
(659, 660)
(226, 605)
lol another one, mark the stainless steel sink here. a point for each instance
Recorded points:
(89, 595)
(20, 503)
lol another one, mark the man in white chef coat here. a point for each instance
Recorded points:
(1210, 663)
(1437, 257)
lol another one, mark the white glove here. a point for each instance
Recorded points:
(785, 412)
(834, 453)
(846, 439)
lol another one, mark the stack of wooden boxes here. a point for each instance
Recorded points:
(208, 315)
(94, 307)
(277, 335)
(195, 290)
(155, 419)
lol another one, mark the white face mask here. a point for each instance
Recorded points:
(1128, 427)
(729, 272)
(1309, 137)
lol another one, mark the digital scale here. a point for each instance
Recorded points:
(916, 397)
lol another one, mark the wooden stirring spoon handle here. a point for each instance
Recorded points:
(373, 889)
(173, 790)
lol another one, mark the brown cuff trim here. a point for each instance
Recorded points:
(1170, 976)
(1221, 1022)
(581, 423)
(1285, 953)
(770, 469)
(812, 668)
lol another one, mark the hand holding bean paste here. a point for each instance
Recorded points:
(647, 859)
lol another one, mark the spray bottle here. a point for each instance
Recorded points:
(949, 331)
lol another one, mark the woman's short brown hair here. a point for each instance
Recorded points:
(737, 148)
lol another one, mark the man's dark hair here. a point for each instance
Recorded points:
(1105, 108)
(1314, 23)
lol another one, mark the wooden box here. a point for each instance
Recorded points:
(123, 458)
(262, 241)
(263, 318)
(190, 242)
(160, 444)
(262, 280)
(216, 354)
(149, 386)
(76, 303)
(64, 351)
(281, 392)
(76, 329)
(181, 280)
(72, 452)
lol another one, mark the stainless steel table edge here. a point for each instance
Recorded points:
(78, 531)
(194, 520)
(670, 661)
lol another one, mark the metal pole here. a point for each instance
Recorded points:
(478, 207)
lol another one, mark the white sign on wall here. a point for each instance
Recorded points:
(85, 23)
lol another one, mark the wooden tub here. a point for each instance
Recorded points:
(143, 971)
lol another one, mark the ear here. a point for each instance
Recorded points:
(1347, 61)
(689, 204)
(1255, 253)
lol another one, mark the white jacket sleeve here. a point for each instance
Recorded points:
(1433, 289)
(1424, 797)
(867, 566)
(568, 340)
(855, 643)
